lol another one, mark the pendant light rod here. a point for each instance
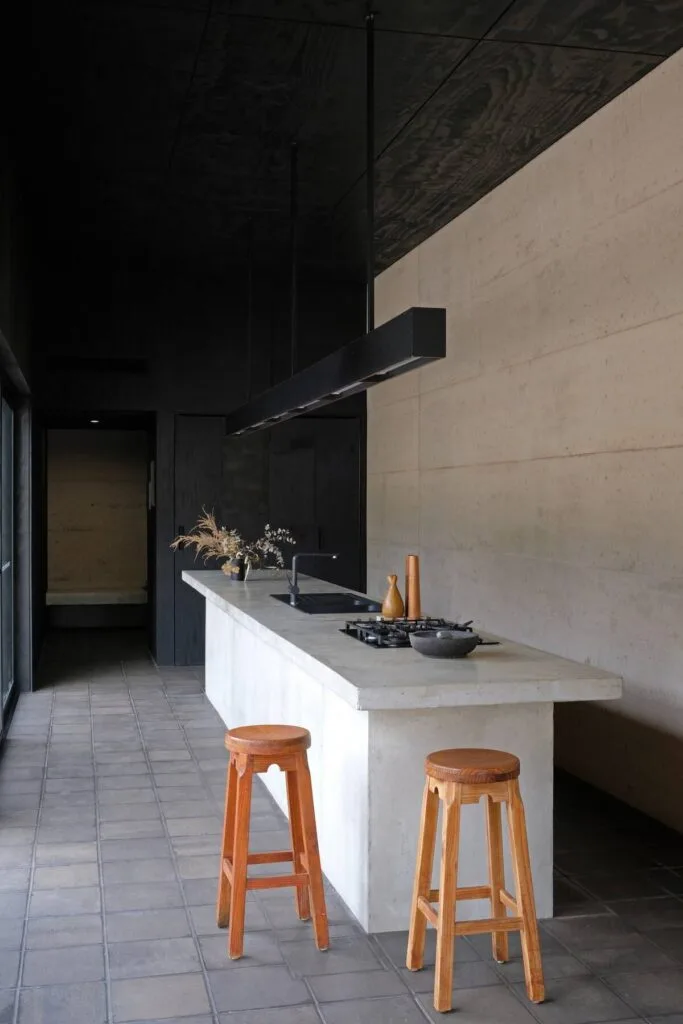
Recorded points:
(250, 307)
(293, 284)
(370, 171)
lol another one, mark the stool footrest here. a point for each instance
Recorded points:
(274, 857)
(490, 924)
(469, 892)
(277, 881)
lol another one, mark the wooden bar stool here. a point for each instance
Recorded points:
(458, 777)
(253, 749)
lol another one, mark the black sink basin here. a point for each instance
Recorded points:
(331, 604)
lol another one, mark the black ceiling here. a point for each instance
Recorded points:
(164, 128)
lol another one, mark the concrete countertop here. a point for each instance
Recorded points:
(398, 679)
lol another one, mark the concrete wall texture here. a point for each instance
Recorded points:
(538, 469)
(97, 510)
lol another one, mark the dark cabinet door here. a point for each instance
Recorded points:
(199, 444)
(315, 492)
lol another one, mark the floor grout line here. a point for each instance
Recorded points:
(173, 854)
(100, 868)
(32, 869)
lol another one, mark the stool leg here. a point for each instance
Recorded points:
(240, 857)
(223, 901)
(296, 832)
(531, 946)
(310, 837)
(423, 878)
(451, 798)
(494, 834)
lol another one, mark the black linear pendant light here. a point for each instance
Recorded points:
(412, 339)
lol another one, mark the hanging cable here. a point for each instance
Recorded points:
(293, 296)
(370, 171)
(250, 307)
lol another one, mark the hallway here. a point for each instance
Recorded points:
(111, 792)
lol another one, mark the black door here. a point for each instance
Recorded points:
(199, 445)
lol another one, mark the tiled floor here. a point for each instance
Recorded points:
(110, 809)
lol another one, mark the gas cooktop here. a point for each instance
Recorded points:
(396, 632)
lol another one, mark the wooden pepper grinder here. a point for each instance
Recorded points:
(392, 606)
(413, 603)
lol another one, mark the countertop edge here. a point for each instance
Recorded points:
(600, 687)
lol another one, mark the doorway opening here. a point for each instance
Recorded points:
(99, 523)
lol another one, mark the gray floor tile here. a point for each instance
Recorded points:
(148, 957)
(107, 797)
(7, 997)
(259, 948)
(67, 876)
(205, 826)
(77, 833)
(63, 1004)
(470, 974)
(199, 891)
(109, 782)
(670, 940)
(280, 1015)
(70, 785)
(11, 931)
(359, 985)
(50, 902)
(645, 956)
(190, 809)
(142, 896)
(155, 756)
(481, 1006)
(652, 992)
(14, 856)
(198, 867)
(345, 956)
(68, 965)
(133, 849)
(251, 989)
(12, 879)
(650, 914)
(149, 999)
(16, 836)
(149, 828)
(53, 932)
(555, 965)
(394, 945)
(117, 770)
(12, 904)
(56, 854)
(389, 1010)
(591, 932)
(147, 924)
(9, 968)
(154, 870)
(578, 1001)
(204, 919)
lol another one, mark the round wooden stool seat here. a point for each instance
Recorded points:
(267, 739)
(472, 766)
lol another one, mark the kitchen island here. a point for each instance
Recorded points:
(373, 716)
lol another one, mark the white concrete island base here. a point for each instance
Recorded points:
(373, 716)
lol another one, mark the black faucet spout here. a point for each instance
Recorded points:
(294, 580)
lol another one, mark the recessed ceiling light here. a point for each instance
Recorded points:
(94, 421)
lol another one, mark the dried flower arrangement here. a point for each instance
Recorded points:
(214, 541)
